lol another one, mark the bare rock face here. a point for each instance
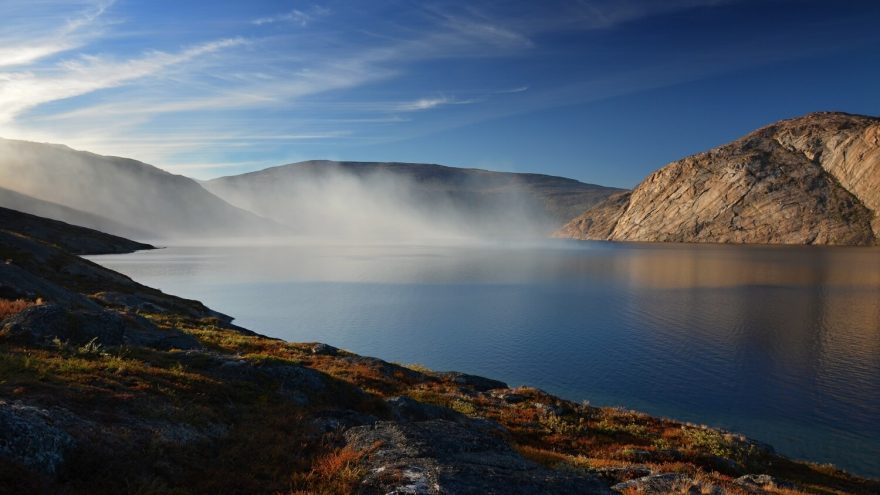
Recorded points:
(847, 146)
(811, 180)
(598, 222)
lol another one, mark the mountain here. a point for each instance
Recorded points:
(71, 238)
(126, 192)
(809, 180)
(21, 202)
(335, 196)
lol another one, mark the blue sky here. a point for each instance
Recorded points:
(599, 90)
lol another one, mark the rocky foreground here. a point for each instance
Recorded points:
(108, 386)
(809, 180)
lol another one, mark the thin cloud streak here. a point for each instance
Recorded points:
(431, 103)
(21, 91)
(296, 16)
(521, 89)
(27, 46)
(428, 103)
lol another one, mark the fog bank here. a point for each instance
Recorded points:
(313, 202)
(379, 202)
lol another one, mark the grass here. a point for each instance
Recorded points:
(547, 458)
(418, 367)
(10, 307)
(336, 472)
(269, 446)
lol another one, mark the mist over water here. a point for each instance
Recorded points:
(370, 203)
(779, 343)
(313, 202)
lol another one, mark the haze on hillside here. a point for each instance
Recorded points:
(316, 201)
(336, 204)
(403, 201)
(117, 194)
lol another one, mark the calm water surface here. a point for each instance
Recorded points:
(779, 343)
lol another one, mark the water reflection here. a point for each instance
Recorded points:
(780, 343)
(713, 266)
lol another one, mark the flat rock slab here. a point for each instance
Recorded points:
(443, 457)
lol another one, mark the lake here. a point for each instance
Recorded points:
(779, 343)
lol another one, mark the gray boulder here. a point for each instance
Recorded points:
(29, 436)
(657, 484)
(39, 325)
(623, 473)
(405, 409)
(335, 420)
(139, 332)
(762, 481)
(324, 350)
(128, 302)
(18, 283)
(478, 383)
(295, 377)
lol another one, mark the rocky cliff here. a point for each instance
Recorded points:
(809, 180)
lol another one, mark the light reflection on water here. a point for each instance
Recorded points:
(780, 343)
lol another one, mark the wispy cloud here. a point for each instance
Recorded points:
(31, 87)
(608, 14)
(20, 91)
(283, 89)
(487, 32)
(429, 103)
(300, 17)
(35, 41)
(518, 89)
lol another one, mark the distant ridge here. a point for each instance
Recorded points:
(21, 202)
(133, 196)
(809, 180)
(471, 192)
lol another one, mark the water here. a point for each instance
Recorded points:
(779, 343)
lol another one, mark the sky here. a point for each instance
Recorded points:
(603, 91)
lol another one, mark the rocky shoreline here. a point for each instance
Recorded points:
(108, 386)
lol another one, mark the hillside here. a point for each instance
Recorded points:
(126, 192)
(317, 195)
(21, 202)
(71, 238)
(108, 386)
(809, 180)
